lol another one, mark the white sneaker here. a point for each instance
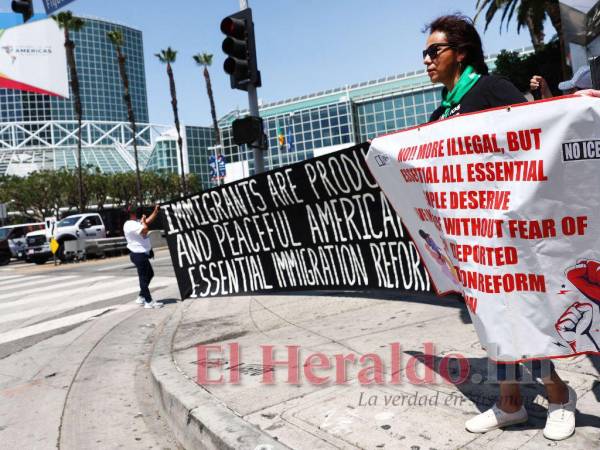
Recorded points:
(560, 423)
(153, 305)
(140, 300)
(495, 418)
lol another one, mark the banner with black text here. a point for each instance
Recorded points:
(318, 224)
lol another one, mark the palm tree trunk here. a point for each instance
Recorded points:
(213, 110)
(553, 10)
(70, 48)
(177, 126)
(131, 117)
(536, 33)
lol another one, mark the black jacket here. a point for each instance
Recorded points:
(490, 91)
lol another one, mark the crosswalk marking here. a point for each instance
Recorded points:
(45, 307)
(55, 294)
(58, 284)
(118, 266)
(55, 324)
(20, 278)
(33, 304)
(10, 277)
(30, 281)
(130, 264)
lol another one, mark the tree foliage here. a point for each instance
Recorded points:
(530, 14)
(55, 193)
(520, 69)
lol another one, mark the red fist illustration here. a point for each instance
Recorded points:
(585, 276)
(575, 327)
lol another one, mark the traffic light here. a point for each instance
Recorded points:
(23, 7)
(241, 50)
(247, 130)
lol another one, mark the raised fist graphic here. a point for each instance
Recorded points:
(576, 327)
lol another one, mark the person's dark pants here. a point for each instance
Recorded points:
(145, 273)
(539, 368)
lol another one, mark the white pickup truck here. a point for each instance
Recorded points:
(78, 227)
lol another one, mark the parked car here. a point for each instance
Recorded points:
(13, 240)
(38, 247)
(78, 227)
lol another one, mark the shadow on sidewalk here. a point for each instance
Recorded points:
(425, 298)
(481, 389)
(168, 301)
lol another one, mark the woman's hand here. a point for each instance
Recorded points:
(538, 82)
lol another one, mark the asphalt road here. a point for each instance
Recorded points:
(74, 353)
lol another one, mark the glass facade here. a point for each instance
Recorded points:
(39, 131)
(396, 112)
(164, 156)
(197, 142)
(300, 129)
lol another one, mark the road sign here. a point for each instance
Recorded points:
(221, 165)
(54, 246)
(50, 223)
(55, 5)
(217, 166)
(3, 213)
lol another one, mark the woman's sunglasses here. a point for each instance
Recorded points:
(433, 50)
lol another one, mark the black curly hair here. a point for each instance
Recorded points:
(461, 33)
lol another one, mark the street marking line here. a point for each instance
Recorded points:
(55, 294)
(56, 283)
(9, 278)
(29, 281)
(51, 308)
(17, 284)
(118, 266)
(130, 264)
(51, 325)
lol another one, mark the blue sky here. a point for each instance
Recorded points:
(303, 46)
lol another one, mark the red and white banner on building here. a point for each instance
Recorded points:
(33, 58)
(504, 207)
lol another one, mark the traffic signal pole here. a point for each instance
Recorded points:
(259, 162)
(257, 150)
(242, 67)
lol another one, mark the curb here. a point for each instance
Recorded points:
(197, 419)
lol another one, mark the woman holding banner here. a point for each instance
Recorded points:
(454, 57)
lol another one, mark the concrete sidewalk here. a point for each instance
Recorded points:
(306, 415)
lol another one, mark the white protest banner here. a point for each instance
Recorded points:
(503, 206)
(33, 58)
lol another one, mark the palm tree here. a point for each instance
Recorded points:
(167, 56)
(205, 60)
(530, 14)
(67, 22)
(117, 40)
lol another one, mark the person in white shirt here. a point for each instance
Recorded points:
(140, 247)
